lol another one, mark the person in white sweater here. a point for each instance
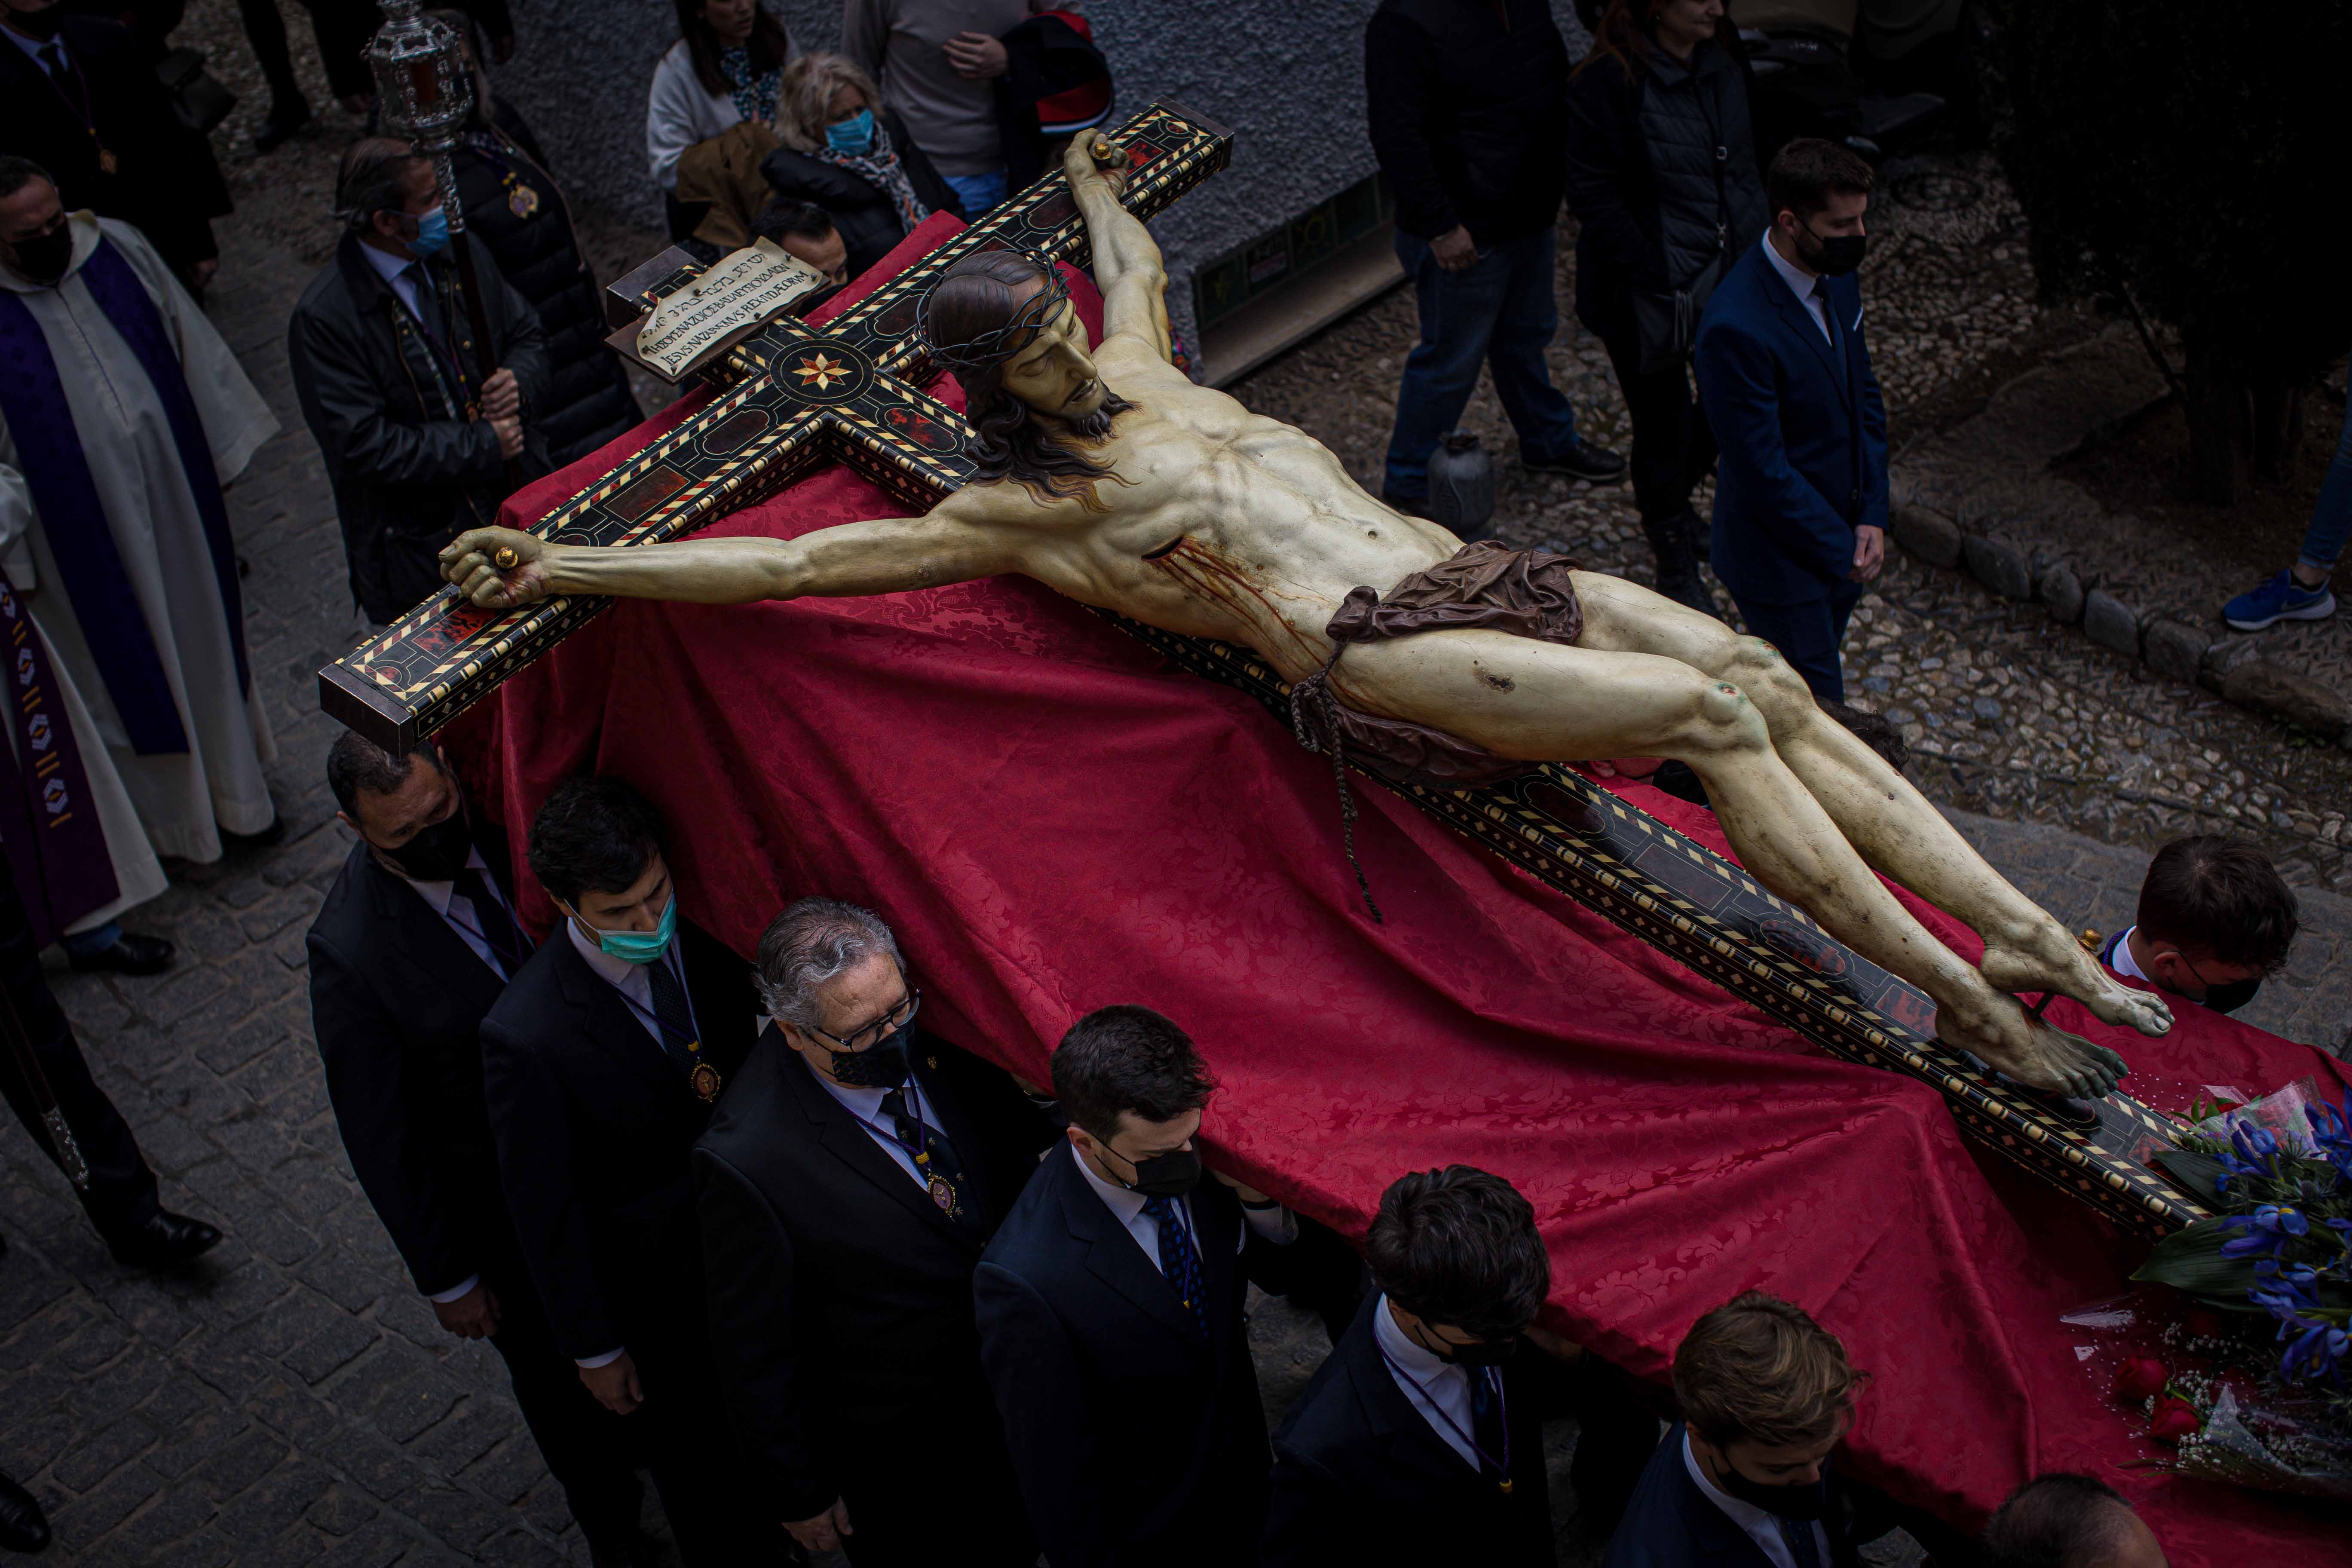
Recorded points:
(723, 68)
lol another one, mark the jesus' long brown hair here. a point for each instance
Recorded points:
(980, 295)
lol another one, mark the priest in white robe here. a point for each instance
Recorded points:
(123, 413)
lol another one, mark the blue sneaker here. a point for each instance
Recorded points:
(2280, 599)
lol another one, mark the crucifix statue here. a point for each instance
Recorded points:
(1104, 472)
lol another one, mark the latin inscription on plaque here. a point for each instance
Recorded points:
(752, 286)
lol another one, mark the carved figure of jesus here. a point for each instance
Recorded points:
(1107, 474)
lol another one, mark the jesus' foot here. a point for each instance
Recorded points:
(2039, 1055)
(2044, 958)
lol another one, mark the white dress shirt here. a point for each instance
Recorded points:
(1438, 1388)
(1277, 1225)
(33, 47)
(1800, 283)
(866, 1104)
(1760, 1527)
(2124, 964)
(457, 910)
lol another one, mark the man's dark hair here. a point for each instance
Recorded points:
(1459, 1247)
(355, 763)
(2057, 1521)
(1808, 171)
(1758, 1369)
(595, 834)
(768, 45)
(16, 173)
(1119, 1059)
(979, 295)
(1873, 729)
(2220, 896)
(780, 216)
(374, 178)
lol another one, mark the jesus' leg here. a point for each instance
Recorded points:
(1520, 697)
(1880, 812)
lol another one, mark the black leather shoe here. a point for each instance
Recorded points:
(1594, 465)
(261, 840)
(162, 1240)
(23, 1526)
(284, 120)
(132, 954)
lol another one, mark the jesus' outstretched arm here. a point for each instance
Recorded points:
(502, 568)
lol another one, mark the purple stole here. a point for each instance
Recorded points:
(49, 821)
(74, 523)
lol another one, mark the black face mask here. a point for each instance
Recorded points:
(1834, 254)
(1797, 1503)
(1485, 1352)
(1166, 1176)
(436, 854)
(882, 1065)
(2231, 996)
(45, 258)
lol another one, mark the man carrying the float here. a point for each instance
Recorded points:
(1111, 478)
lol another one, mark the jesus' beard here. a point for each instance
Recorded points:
(1095, 426)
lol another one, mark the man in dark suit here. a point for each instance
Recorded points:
(1420, 1439)
(846, 1187)
(1110, 1315)
(1744, 1481)
(602, 1062)
(416, 939)
(1784, 371)
(80, 97)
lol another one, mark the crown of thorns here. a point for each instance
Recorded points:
(1001, 343)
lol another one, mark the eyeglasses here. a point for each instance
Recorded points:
(882, 1028)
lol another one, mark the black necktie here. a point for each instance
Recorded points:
(934, 1157)
(1179, 1261)
(1486, 1421)
(1804, 1547)
(670, 1009)
(490, 919)
(67, 81)
(428, 306)
(1828, 315)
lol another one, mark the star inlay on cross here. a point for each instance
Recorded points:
(819, 372)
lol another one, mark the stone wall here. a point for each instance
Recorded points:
(1287, 79)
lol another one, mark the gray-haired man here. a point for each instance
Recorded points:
(847, 1186)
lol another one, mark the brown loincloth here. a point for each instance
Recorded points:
(1524, 591)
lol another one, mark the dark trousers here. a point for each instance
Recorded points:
(121, 1190)
(965, 1509)
(1808, 635)
(586, 1447)
(683, 1435)
(1673, 448)
(343, 28)
(1501, 314)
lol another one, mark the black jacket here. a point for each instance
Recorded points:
(596, 1129)
(1360, 1477)
(1671, 1523)
(1044, 57)
(840, 1306)
(398, 1001)
(1466, 114)
(165, 181)
(1137, 1443)
(520, 211)
(863, 212)
(1642, 177)
(387, 408)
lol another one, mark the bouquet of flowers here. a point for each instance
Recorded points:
(2278, 1174)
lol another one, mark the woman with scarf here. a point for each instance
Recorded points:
(843, 152)
(725, 68)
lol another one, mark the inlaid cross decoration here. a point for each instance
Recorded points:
(793, 397)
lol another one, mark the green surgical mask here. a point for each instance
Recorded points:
(638, 946)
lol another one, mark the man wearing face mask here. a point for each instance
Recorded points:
(1783, 370)
(1745, 1480)
(1110, 1314)
(602, 1063)
(2215, 919)
(416, 939)
(418, 441)
(846, 1187)
(1420, 1440)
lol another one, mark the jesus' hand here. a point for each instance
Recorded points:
(1091, 157)
(498, 568)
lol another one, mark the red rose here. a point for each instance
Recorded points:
(2142, 1377)
(2175, 1419)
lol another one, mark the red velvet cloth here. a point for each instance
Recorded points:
(1054, 819)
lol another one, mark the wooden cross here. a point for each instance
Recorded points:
(801, 397)
(796, 397)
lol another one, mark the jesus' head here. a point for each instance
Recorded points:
(1002, 322)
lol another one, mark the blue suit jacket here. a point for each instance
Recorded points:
(1670, 1523)
(1803, 432)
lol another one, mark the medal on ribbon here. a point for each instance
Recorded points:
(703, 1079)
